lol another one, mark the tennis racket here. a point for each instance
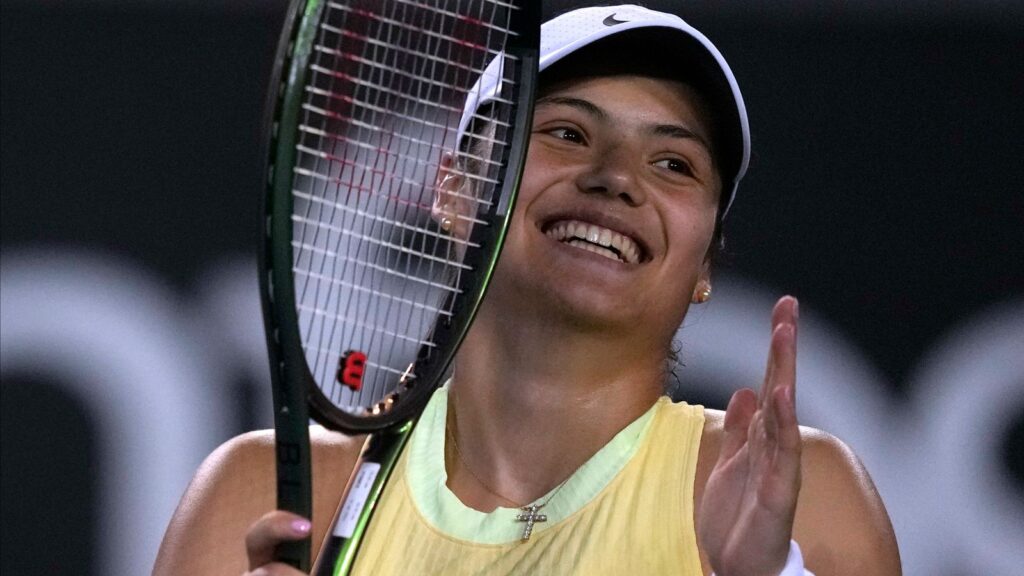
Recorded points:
(389, 191)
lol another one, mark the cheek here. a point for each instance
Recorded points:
(541, 175)
(692, 228)
(533, 182)
(545, 163)
(539, 170)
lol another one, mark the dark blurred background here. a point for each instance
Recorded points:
(885, 190)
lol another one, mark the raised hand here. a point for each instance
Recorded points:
(264, 536)
(746, 514)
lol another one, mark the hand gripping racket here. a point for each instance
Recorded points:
(382, 223)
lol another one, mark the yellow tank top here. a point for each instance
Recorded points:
(627, 511)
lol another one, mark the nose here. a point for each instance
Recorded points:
(612, 171)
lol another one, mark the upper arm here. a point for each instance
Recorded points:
(841, 523)
(233, 488)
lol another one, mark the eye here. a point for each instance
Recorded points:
(568, 134)
(676, 165)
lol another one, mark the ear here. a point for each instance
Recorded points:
(452, 208)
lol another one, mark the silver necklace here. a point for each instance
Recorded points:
(528, 513)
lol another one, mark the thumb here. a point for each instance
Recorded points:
(269, 531)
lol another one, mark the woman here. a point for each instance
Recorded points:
(638, 141)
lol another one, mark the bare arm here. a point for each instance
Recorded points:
(841, 523)
(233, 488)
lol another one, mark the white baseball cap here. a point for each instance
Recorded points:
(568, 32)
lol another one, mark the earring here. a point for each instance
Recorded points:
(446, 224)
(702, 295)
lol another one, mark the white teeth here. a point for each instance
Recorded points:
(597, 240)
(595, 249)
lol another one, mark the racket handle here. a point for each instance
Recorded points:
(294, 554)
(338, 554)
(294, 489)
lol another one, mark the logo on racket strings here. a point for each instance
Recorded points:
(350, 369)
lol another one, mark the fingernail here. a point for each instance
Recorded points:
(300, 526)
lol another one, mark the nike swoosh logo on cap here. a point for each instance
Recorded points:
(611, 21)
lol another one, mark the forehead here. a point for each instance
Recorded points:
(660, 107)
(658, 53)
(668, 97)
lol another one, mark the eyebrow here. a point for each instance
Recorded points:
(587, 107)
(677, 131)
(580, 104)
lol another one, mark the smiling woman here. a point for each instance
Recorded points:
(552, 449)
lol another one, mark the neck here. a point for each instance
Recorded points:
(532, 401)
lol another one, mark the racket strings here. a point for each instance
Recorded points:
(398, 35)
(430, 263)
(458, 272)
(370, 240)
(373, 271)
(427, 231)
(372, 147)
(424, 9)
(323, 361)
(364, 325)
(430, 165)
(349, 286)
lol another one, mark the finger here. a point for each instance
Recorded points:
(783, 402)
(782, 353)
(738, 415)
(786, 460)
(784, 388)
(785, 415)
(783, 373)
(784, 312)
(269, 531)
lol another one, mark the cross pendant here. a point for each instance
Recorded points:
(530, 517)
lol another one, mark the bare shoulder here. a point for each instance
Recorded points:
(234, 487)
(841, 522)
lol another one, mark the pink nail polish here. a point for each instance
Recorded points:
(301, 526)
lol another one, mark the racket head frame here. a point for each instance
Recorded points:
(296, 394)
(276, 275)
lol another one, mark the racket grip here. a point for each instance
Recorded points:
(294, 482)
(294, 553)
(294, 491)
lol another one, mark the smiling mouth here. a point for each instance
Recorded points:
(594, 238)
